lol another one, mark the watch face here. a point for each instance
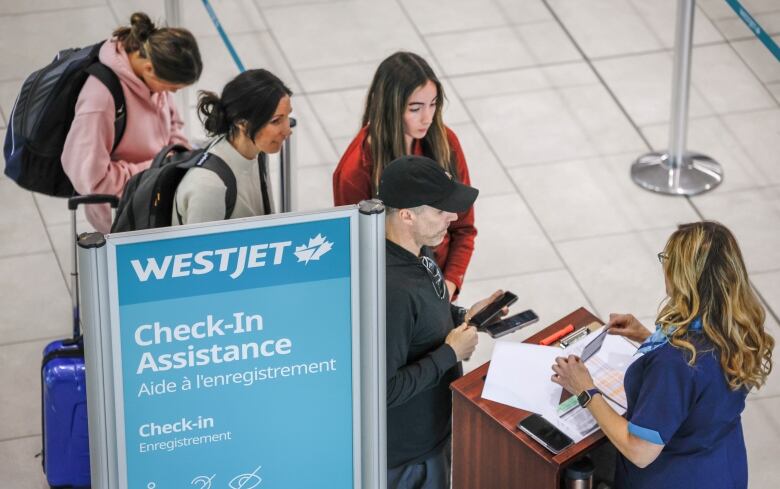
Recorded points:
(584, 398)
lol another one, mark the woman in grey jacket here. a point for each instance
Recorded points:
(252, 116)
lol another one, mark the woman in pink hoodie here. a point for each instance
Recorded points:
(151, 64)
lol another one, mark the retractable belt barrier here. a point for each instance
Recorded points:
(755, 27)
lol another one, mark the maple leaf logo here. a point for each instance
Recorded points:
(316, 247)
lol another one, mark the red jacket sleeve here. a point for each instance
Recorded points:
(352, 179)
(460, 245)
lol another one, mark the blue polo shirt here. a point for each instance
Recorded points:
(692, 412)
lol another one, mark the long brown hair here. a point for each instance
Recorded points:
(173, 51)
(706, 278)
(395, 80)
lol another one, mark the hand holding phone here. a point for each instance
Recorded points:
(490, 312)
(511, 324)
(463, 341)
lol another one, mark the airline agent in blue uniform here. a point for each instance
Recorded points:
(686, 393)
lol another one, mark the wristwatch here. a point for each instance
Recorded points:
(586, 396)
(461, 315)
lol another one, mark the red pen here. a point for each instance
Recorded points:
(557, 335)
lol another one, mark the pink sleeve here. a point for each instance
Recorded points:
(177, 125)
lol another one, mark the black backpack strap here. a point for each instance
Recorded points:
(108, 78)
(218, 166)
(262, 162)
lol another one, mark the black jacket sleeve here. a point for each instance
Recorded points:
(406, 380)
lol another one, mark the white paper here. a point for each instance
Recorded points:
(519, 376)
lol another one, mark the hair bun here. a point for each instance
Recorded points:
(142, 26)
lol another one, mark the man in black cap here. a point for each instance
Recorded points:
(427, 336)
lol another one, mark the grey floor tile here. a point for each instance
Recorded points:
(775, 89)
(643, 85)
(453, 15)
(311, 144)
(8, 93)
(313, 188)
(554, 125)
(62, 236)
(712, 137)
(508, 230)
(593, 197)
(753, 217)
(19, 465)
(530, 79)
(21, 374)
(482, 50)
(341, 144)
(33, 6)
(23, 231)
(619, 273)
(551, 295)
(547, 42)
(379, 28)
(340, 76)
(484, 169)
(771, 389)
(761, 425)
(661, 17)
(528, 11)
(42, 37)
(759, 134)
(35, 303)
(340, 111)
(55, 209)
(732, 27)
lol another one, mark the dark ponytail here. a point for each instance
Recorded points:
(252, 97)
(173, 51)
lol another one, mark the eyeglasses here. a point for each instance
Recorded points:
(434, 272)
(662, 256)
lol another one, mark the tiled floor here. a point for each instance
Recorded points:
(552, 100)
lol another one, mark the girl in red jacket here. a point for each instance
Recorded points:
(151, 63)
(403, 117)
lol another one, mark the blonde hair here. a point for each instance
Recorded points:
(706, 278)
(395, 80)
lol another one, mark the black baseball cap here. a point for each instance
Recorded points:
(412, 181)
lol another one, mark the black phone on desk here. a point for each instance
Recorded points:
(545, 433)
(511, 324)
(489, 313)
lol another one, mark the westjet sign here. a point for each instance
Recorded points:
(234, 260)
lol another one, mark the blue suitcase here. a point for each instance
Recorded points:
(64, 389)
(64, 398)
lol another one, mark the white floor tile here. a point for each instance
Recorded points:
(509, 241)
(606, 27)
(23, 230)
(547, 42)
(761, 425)
(341, 145)
(551, 295)
(530, 79)
(341, 111)
(313, 188)
(643, 84)
(35, 303)
(734, 27)
(453, 15)
(483, 50)
(9, 90)
(712, 137)
(554, 125)
(340, 77)
(42, 36)
(20, 465)
(759, 59)
(32, 6)
(775, 89)
(484, 169)
(725, 82)
(661, 17)
(524, 12)
(311, 144)
(753, 217)
(593, 197)
(256, 50)
(235, 16)
(768, 285)
(21, 375)
(344, 32)
(621, 273)
(759, 134)
(772, 386)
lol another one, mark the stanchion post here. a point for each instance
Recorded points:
(285, 173)
(677, 171)
(173, 19)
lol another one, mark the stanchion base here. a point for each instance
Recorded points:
(697, 173)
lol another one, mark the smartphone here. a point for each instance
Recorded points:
(594, 346)
(489, 313)
(511, 324)
(545, 433)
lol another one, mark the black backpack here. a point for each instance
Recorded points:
(42, 116)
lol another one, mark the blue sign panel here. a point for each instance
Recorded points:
(236, 358)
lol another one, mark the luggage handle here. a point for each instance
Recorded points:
(73, 205)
